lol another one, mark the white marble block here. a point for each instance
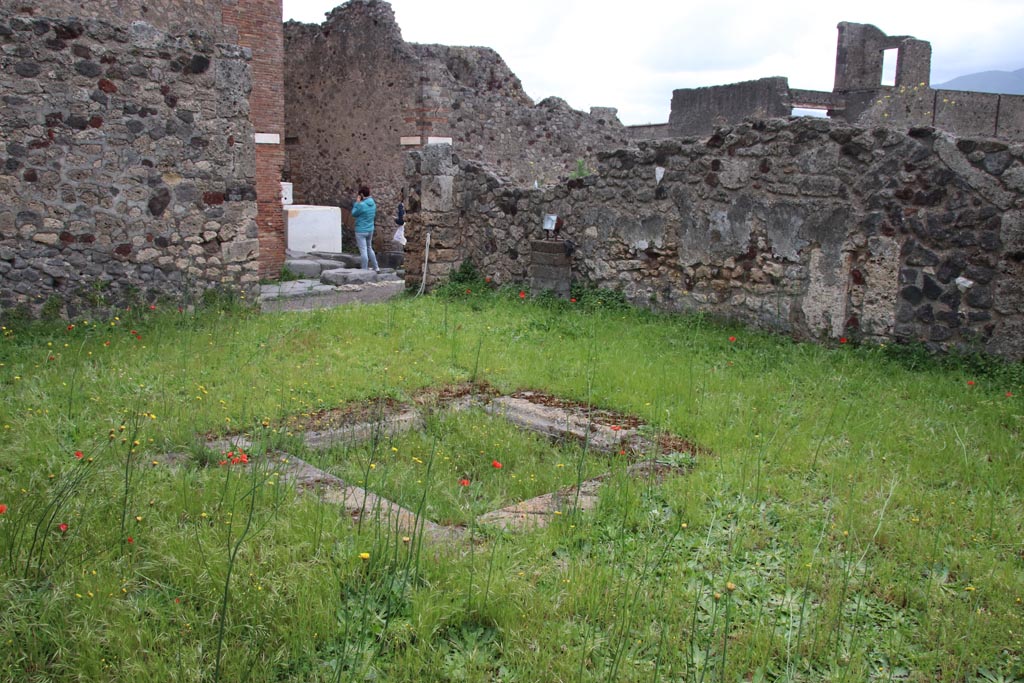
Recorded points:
(313, 228)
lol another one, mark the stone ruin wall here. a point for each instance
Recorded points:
(814, 228)
(858, 96)
(355, 89)
(128, 162)
(172, 16)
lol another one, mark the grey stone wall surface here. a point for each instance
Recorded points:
(126, 162)
(173, 16)
(699, 110)
(805, 226)
(355, 88)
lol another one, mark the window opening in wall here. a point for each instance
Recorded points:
(816, 113)
(889, 59)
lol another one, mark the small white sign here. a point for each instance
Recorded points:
(439, 141)
(550, 221)
(408, 140)
(659, 173)
(268, 139)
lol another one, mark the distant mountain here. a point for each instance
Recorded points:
(1005, 82)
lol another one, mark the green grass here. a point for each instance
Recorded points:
(863, 503)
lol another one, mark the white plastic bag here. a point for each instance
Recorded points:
(400, 235)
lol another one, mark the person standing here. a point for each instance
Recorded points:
(364, 210)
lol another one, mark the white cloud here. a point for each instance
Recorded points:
(632, 55)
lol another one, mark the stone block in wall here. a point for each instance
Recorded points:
(901, 106)
(1008, 340)
(1011, 232)
(240, 251)
(436, 193)
(967, 113)
(436, 160)
(1011, 117)
(550, 267)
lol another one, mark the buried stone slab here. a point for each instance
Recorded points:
(364, 431)
(557, 422)
(538, 512)
(359, 503)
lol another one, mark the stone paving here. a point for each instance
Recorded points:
(329, 280)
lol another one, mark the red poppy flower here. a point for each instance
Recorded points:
(106, 343)
(970, 382)
(572, 300)
(732, 339)
(63, 527)
(3, 509)
(522, 294)
(131, 540)
(496, 465)
(468, 290)
(615, 428)
(71, 327)
(1009, 394)
(463, 482)
(152, 307)
(842, 340)
(622, 452)
(487, 279)
(79, 454)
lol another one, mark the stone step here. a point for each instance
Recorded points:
(303, 295)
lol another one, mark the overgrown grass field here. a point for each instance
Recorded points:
(855, 512)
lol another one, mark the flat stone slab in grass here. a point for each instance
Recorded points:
(364, 431)
(556, 422)
(359, 503)
(538, 512)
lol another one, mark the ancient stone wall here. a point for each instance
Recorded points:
(810, 227)
(128, 162)
(358, 97)
(696, 111)
(172, 16)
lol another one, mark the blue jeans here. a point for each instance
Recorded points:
(364, 240)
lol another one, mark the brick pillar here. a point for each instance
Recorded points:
(260, 28)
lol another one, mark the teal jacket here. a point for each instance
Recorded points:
(364, 212)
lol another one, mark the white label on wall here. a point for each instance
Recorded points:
(439, 141)
(409, 140)
(268, 139)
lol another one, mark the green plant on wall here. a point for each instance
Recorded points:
(582, 170)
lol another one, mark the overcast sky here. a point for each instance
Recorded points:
(631, 55)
